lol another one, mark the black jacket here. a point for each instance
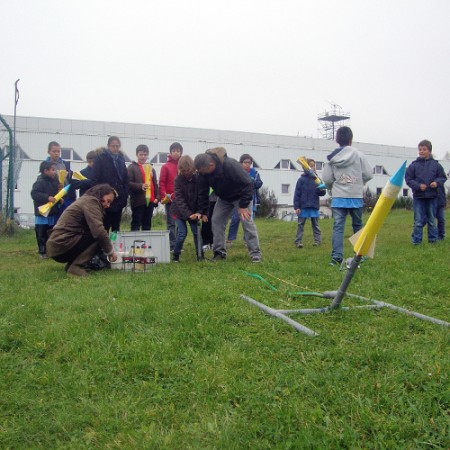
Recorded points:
(229, 180)
(187, 201)
(105, 170)
(42, 189)
(424, 171)
(306, 193)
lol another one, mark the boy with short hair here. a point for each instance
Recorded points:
(43, 191)
(424, 176)
(141, 212)
(87, 172)
(166, 187)
(346, 173)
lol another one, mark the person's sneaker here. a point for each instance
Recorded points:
(316, 244)
(176, 258)
(229, 244)
(335, 262)
(43, 256)
(219, 257)
(299, 245)
(206, 247)
(256, 258)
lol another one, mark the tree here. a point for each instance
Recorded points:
(268, 203)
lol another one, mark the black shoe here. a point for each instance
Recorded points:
(335, 262)
(176, 258)
(219, 256)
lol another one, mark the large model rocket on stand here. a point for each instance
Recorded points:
(364, 240)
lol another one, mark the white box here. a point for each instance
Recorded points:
(157, 240)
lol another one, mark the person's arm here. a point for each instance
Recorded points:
(366, 169)
(410, 178)
(328, 176)
(441, 178)
(135, 185)
(297, 196)
(163, 182)
(155, 186)
(180, 199)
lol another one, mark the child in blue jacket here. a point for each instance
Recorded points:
(306, 205)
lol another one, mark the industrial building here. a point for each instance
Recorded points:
(275, 156)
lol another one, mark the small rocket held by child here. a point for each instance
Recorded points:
(45, 209)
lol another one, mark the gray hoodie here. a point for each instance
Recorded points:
(347, 172)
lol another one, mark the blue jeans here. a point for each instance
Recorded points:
(234, 225)
(440, 216)
(182, 233)
(337, 240)
(424, 213)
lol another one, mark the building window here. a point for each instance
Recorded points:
(405, 192)
(285, 164)
(285, 188)
(159, 158)
(379, 190)
(379, 170)
(319, 165)
(69, 154)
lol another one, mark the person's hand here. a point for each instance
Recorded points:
(60, 186)
(145, 186)
(423, 187)
(51, 199)
(113, 257)
(244, 213)
(433, 184)
(155, 201)
(298, 211)
(204, 218)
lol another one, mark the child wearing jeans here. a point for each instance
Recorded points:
(306, 205)
(185, 206)
(43, 191)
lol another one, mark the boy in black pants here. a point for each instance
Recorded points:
(44, 190)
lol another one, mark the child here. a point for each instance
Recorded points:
(141, 213)
(440, 213)
(185, 206)
(43, 191)
(306, 205)
(166, 179)
(54, 156)
(424, 176)
(346, 173)
(87, 172)
(246, 160)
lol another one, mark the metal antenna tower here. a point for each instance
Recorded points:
(331, 120)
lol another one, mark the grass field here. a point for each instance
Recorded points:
(175, 359)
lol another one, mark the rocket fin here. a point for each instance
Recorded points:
(371, 251)
(355, 237)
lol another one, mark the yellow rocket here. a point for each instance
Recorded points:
(302, 161)
(62, 175)
(45, 209)
(78, 176)
(364, 240)
(148, 192)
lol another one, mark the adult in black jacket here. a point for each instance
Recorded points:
(234, 189)
(109, 167)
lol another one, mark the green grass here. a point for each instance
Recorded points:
(175, 359)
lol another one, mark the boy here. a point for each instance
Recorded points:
(346, 173)
(234, 189)
(166, 187)
(54, 156)
(141, 213)
(307, 205)
(43, 191)
(84, 185)
(424, 176)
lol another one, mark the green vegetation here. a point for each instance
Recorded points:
(174, 359)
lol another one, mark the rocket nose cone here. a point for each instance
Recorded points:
(398, 176)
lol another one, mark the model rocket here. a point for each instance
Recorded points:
(45, 209)
(302, 161)
(364, 240)
(148, 193)
(62, 175)
(78, 176)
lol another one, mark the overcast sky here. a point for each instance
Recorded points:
(268, 66)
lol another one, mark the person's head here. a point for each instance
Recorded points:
(90, 157)
(104, 192)
(176, 150)
(344, 136)
(246, 160)
(311, 163)
(425, 149)
(54, 151)
(48, 169)
(142, 153)
(204, 163)
(114, 145)
(186, 166)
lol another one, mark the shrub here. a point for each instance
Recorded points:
(268, 204)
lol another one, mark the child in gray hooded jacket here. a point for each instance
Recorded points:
(346, 173)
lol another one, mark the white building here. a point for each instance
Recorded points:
(275, 156)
